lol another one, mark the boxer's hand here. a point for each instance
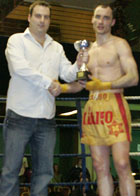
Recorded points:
(82, 83)
(97, 84)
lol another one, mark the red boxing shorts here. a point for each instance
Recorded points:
(106, 119)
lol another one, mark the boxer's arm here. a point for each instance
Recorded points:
(128, 66)
(73, 87)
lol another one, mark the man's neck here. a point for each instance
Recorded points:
(103, 38)
(39, 37)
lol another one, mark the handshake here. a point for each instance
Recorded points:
(94, 84)
(56, 88)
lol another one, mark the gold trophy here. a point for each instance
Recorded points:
(83, 73)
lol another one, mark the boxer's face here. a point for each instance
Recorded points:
(102, 20)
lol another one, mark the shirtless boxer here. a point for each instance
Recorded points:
(106, 117)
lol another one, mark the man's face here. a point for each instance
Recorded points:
(39, 21)
(102, 20)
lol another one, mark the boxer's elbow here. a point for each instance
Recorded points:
(135, 80)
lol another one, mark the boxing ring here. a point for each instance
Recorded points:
(83, 154)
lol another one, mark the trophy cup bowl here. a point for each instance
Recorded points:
(83, 73)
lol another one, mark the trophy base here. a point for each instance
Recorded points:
(83, 75)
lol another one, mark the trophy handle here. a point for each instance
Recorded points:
(77, 45)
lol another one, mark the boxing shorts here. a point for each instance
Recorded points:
(106, 119)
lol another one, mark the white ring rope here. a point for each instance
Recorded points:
(134, 153)
(132, 97)
(137, 181)
(135, 124)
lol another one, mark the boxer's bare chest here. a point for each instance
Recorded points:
(103, 58)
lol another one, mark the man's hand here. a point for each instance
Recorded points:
(97, 84)
(55, 88)
(82, 57)
(64, 87)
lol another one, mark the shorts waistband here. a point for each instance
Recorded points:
(101, 96)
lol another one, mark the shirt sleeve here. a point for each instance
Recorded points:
(18, 64)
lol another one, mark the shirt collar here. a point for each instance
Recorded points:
(48, 38)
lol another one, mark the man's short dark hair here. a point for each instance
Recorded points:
(105, 5)
(38, 2)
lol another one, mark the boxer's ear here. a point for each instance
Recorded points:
(113, 22)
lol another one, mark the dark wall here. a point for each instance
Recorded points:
(4, 74)
(135, 90)
(70, 53)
